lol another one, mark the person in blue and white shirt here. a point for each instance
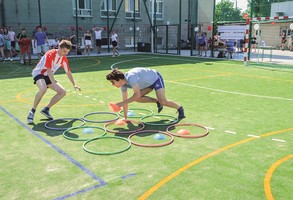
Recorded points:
(142, 81)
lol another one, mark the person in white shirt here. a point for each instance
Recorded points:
(98, 36)
(114, 39)
(12, 37)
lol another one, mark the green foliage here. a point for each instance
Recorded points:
(225, 11)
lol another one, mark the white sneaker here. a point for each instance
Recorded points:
(113, 56)
(30, 117)
(21, 61)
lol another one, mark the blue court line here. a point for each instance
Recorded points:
(79, 192)
(83, 168)
(90, 188)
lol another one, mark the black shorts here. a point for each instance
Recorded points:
(13, 44)
(202, 45)
(98, 42)
(114, 43)
(46, 78)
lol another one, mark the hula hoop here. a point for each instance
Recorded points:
(82, 139)
(175, 120)
(188, 136)
(151, 145)
(100, 121)
(106, 153)
(60, 119)
(117, 131)
(121, 113)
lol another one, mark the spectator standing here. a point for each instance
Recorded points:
(87, 42)
(2, 42)
(114, 39)
(253, 43)
(283, 40)
(40, 42)
(74, 43)
(7, 45)
(291, 41)
(203, 44)
(12, 37)
(21, 35)
(98, 37)
(25, 44)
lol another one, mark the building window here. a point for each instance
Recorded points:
(112, 8)
(129, 8)
(84, 8)
(160, 8)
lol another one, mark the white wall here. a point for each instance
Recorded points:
(285, 7)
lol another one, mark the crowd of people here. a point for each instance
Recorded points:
(23, 44)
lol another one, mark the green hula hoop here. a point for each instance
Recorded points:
(115, 115)
(106, 153)
(174, 121)
(79, 127)
(121, 113)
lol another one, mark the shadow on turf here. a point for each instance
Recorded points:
(151, 128)
(40, 127)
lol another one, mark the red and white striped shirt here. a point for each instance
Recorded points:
(51, 60)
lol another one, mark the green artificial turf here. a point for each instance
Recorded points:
(249, 112)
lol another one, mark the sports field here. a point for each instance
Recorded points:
(248, 153)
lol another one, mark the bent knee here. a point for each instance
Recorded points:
(62, 93)
(163, 102)
(43, 90)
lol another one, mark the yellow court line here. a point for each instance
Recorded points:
(268, 176)
(195, 162)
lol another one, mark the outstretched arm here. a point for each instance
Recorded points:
(70, 77)
(135, 97)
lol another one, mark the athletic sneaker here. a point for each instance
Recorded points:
(160, 107)
(30, 117)
(181, 113)
(46, 112)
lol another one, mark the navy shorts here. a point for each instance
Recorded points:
(159, 83)
(46, 78)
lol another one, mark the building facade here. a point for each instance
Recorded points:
(132, 19)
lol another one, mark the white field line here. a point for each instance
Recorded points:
(231, 132)
(210, 128)
(278, 140)
(146, 58)
(255, 136)
(229, 92)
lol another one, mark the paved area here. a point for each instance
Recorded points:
(260, 55)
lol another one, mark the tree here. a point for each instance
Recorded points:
(225, 11)
(261, 8)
